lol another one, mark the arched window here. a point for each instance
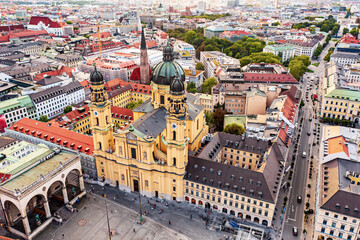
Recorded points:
(146, 183)
(100, 146)
(162, 99)
(145, 156)
(120, 150)
(174, 161)
(122, 177)
(107, 119)
(174, 135)
(197, 124)
(97, 121)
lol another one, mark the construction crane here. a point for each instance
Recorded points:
(99, 37)
(60, 20)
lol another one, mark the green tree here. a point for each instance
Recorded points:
(234, 128)
(275, 24)
(318, 51)
(69, 22)
(260, 57)
(209, 118)
(328, 55)
(219, 115)
(44, 118)
(134, 104)
(345, 31)
(298, 66)
(208, 84)
(200, 66)
(190, 36)
(67, 109)
(354, 32)
(191, 87)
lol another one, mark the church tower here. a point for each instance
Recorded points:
(144, 60)
(176, 131)
(100, 110)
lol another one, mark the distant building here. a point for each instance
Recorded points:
(306, 48)
(286, 51)
(341, 103)
(201, 6)
(52, 101)
(343, 58)
(216, 31)
(17, 108)
(70, 60)
(213, 60)
(39, 23)
(236, 35)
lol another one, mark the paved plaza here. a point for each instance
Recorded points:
(90, 223)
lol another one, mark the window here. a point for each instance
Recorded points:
(133, 153)
(340, 234)
(351, 229)
(174, 189)
(147, 183)
(333, 224)
(342, 226)
(323, 230)
(122, 177)
(174, 135)
(325, 222)
(145, 155)
(349, 237)
(162, 99)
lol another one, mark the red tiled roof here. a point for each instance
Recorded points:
(289, 109)
(269, 77)
(85, 84)
(62, 70)
(122, 113)
(4, 38)
(102, 35)
(238, 33)
(149, 44)
(141, 88)
(51, 133)
(47, 21)
(135, 75)
(27, 33)
(115, 83)
(284, 137)
(12, 27)
(291, 93)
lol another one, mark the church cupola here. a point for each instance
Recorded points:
(177, 99)
(98, 93)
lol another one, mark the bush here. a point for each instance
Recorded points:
(308, 195)
(307, 205)
(309, 185)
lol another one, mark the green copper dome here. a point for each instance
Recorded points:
(165, 71)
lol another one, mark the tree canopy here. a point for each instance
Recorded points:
(298, 66)
(234, 128)
(211, 17)
(208, 84)
(134, 104)
(44, 118)
(260, 57)
(200, 66)
(191, 87)
(67, 109)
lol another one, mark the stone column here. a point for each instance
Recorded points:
(47, 209)
(26, 224)
(81, 183)
(64, 192)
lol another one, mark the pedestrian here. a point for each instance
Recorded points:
(85, 207)
(190, 216)
(134, 230)
(94, 198)
(169, 222)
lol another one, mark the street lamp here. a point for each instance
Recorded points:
(107, 218)
(140, 212)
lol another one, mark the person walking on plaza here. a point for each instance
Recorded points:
(169, 222)
(190, 216)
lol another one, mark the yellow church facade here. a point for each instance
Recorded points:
(151, 154)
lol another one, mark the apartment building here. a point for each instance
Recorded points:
(69, 60)
(343, 58)
(228, 176)
(285, 51)
(306, 48)
(213, 59)
(52, 101)
(17, 108)
(338, 215)
(352, 73)
(341, 103)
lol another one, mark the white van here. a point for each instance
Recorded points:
(304, 154)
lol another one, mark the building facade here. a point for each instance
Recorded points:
(17, 108)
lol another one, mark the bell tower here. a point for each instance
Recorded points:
(144, 60)
(176, 133)
(100, 111)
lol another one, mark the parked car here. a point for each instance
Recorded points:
(295, 231)
(299, 199)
